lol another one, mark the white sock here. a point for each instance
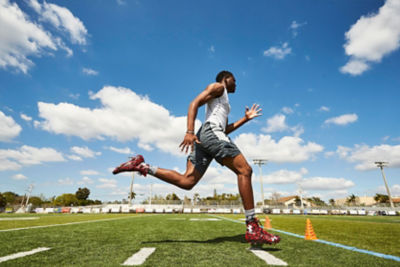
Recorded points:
(250, 214)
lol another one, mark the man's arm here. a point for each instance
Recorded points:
(248, 115)
(212, 91)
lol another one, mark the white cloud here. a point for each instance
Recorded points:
(90, 72)
(22, 38)
(9, 128)
(85, 181)
(277, 123)
(62, 19)
(372, 37)
(212, 49)
(89, 172)
(365, 156)
(19, 176)
(84, 152)
(121, 2)
(287, 110)
(74, 96)
(278, 52)
(355, 67)
(107, 183)
(285, 176)
(287, 149)
(74, 157)
(8, 165)
(343, 119)
(326, 183)
(124, 116)
(25, 117)
(125, 150)
(219, 175)
(27, 155)
(323, 108)
(295, 26)
(66, 181)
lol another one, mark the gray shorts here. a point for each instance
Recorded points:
(215, 144)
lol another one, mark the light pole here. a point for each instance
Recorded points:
(381, 164)
(261, 162)
(131, 191)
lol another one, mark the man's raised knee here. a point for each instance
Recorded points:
(247, 171)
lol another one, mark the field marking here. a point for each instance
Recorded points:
(139, 257)
(72, 223)
(373, 253)
(268, 258)
(22, 254)
(204, 219)
(19, 218)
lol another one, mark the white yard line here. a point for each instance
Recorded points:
(22, 254)
(139, 257)
(204, 219)
(268, 258)
(72, 223)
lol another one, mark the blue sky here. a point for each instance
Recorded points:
(85, 84)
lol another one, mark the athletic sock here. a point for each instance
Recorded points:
(250, 215)
(152, 169)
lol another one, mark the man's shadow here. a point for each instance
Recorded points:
(222, 239)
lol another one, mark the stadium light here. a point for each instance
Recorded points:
(382, 164)
(261, 162)
(131, 190)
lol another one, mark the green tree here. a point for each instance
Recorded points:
(133, 195)
(36, 201)
(332, 202)
(352, 199)
(380, 198)
(66, 200)
(172, 196)
(10, 197)
(82, 193)
(3, 201)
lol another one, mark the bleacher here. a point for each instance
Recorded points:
(158, 209)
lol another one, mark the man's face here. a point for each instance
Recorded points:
(230, 83)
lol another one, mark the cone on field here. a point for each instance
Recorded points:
(310, 234)
(267, 223)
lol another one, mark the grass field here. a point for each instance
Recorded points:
(110, 239)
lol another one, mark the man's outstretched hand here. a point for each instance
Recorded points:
(255, 111)
(188, 142)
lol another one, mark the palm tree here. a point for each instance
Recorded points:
(332, 202)
(351, 200)
(380, 198)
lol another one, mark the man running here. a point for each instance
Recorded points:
(211, 142)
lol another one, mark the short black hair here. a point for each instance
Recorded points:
(222, 74)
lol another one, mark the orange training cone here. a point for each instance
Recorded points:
(310, 235)
(267, 223)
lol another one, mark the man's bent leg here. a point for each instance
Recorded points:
(255, 234)
(185, 181)
(243, 171)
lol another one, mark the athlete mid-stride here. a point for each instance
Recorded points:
(211, 142)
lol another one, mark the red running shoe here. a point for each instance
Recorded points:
(256, 235)
(135, 164)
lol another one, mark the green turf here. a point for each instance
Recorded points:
(180, 242)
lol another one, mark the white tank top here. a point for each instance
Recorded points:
(217, 110)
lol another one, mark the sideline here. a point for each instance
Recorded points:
(72, 223)
(373, 253)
